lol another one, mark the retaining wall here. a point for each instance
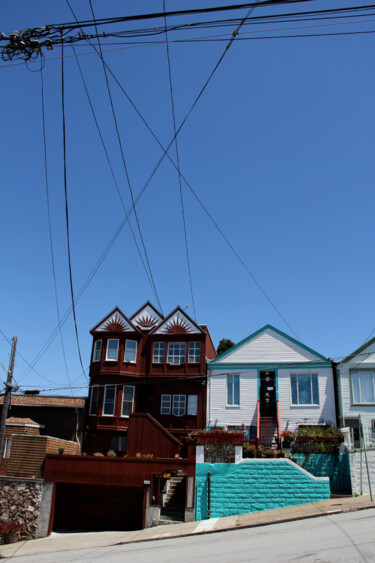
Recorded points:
(255, 484)
(336, 467)
(358, 472)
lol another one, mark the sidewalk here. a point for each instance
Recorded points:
(69, 541)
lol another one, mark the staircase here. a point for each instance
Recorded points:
(173, 510)
(268, 433)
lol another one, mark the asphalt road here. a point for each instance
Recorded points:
(340, 537)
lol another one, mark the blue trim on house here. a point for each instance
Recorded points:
(256, 333)
(273, 366)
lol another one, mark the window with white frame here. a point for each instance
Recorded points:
(165, 407)
(192, 407)
(8, 443)
(304, 388)
(112, 349)
(130, 351)
(127, 400)
(97, 351)
(363, 385)
(94, 400)
(158, 353)
(194, 352)
(176, 353)
(109, 400)
(233, 390)
(179, 405)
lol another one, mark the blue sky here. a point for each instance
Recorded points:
(280, 149)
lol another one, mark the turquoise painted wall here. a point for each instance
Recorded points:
(336, 467)
(254, 486)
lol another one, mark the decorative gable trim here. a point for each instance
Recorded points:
(218, 359)
(147, 317)
(115, 322)
(178, 322)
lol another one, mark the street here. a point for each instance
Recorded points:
(337, 537)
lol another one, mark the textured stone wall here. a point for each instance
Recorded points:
(20, 503)
(255, 485)
(358, 472)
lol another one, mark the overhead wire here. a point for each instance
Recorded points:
(178, 165)
(67, 209)
(140, 194)
(109, 163)
(49, 224)
(124, 162)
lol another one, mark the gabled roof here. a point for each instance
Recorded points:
(45, 401)
(147, 317)
(178, 322)
(358, 351)
(116, 321)
(268, 346)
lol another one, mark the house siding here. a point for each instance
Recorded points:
(291, 415)
(365, 360)
(219, 413)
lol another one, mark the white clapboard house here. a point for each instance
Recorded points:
(356, 377)
(267, 383)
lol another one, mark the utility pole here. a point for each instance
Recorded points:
(7, 395)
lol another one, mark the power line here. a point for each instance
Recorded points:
(110, 164)
(178, 165)
(49, 224)
(67, 209)
(123, 160)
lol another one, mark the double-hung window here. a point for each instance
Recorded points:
(8, 443)
(112, 349)
(165, 407)
(130, 351)
(127, 400)
(363, 385)
(305, 389)
(97, 351)
(94, 400)
(179, 405)
(192, 407)
(158, 353)
(109, 400)
(233, 390)
(194, 352)
(176, 353)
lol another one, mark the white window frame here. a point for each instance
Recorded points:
(172, 353)
(233, 380)
(165, 404)
(96, 388)
(192, 406)
(114, 400)
(118, 344)
(97, 352)
(135, 351)
(157, 356)
(179, 405)
(193, 353)
(7, 446)
(298, 404)
(360, 372)
(127, 401)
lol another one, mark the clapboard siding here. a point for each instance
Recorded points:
(218, 413)
(365, 359)
(291, 416)
(268, 346)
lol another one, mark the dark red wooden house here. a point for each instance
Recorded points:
(146, 363)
